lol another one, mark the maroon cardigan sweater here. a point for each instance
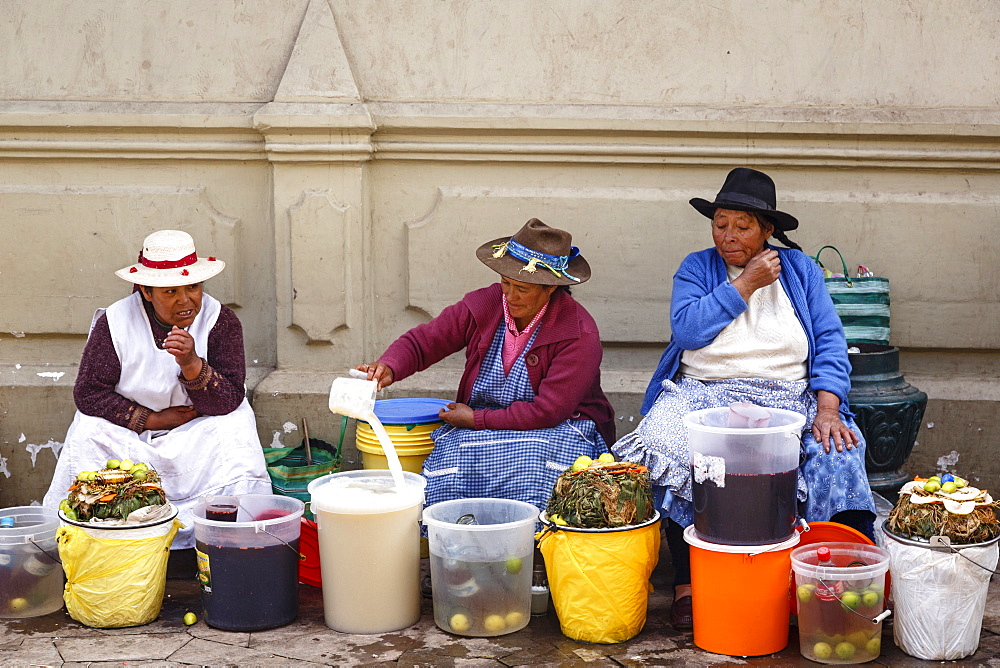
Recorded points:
(564, 362)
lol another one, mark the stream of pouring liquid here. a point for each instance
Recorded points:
(395, 468)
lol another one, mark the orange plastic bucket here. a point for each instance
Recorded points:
(740, 595)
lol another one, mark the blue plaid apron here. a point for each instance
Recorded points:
(505, 463)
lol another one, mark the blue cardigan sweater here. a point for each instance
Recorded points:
(704, 302)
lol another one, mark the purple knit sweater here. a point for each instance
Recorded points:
(564, 363)
(218, 390)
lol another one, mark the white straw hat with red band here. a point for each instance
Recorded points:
(168, 259)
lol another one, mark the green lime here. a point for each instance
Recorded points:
(935, 477)
(870, 598)
(874, 646)
(949, 487)
(190, 618)
(805, 592)
(582, 462)
(822, 650)
(125, 465)
(112, 464)
(851, 599)
(845, 650)
(858, 638)
(513, 565)
(606, 458)
(139, 475)
(459, 623)
(961, 482)
(932, 486)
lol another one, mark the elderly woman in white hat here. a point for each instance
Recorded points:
(162, 381)
(530, 400)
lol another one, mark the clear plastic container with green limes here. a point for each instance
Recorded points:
(481, 564)
(840, 589)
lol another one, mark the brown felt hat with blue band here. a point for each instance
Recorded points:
(747, 190)
(536, 254)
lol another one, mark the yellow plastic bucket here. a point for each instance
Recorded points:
(409, 424)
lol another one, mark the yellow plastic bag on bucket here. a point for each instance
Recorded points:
(115, 582)
(599, 579)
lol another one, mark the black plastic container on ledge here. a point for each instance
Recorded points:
(888, 411)
(248, 569)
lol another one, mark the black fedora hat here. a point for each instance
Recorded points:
(747, 190)
(536, 254)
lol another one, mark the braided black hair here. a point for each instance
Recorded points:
(775, 232)
(780, 236)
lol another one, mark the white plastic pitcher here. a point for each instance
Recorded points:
(355, 397)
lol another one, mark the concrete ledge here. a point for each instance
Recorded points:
(37, 409)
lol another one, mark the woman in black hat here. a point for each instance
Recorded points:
(751, 323)
(530, 399)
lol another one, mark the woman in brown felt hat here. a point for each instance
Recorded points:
(751, 322)
(161, 381)
(530, 399)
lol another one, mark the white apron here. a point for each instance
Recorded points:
(209, 455)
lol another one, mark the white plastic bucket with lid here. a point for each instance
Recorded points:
(249, 569)
(369, 549)
(840, 589)
(31, 577)
(481, 564)
(744, 478)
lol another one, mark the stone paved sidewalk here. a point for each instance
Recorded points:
(56, 640)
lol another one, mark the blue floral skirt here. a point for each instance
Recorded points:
(828, 483)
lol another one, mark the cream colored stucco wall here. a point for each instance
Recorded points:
(347, 157)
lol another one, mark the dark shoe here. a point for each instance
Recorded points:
(681, 616)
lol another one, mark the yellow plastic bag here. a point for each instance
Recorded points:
(600, 579)
(115, 582)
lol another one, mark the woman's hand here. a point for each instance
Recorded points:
(762, 270)
(171, 417)
(379, 372)
(828, 424)
(180, 344)
(458, 415)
